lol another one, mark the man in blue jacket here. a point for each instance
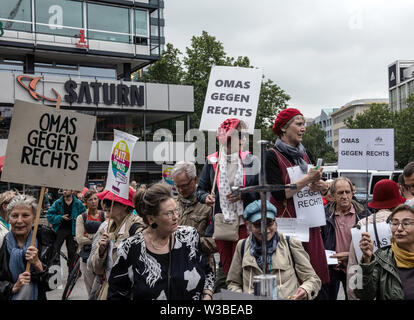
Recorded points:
(62, 216)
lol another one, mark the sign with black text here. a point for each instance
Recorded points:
(48, 147)
(232, 92)
(366, 149)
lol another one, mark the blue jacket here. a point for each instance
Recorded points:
(56, 211)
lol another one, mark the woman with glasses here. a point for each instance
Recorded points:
(388, 274)
(164, 261)
(287, 259)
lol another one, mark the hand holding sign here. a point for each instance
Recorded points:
(367, 247)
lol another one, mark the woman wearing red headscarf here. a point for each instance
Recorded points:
(288, 151)
(232, 164)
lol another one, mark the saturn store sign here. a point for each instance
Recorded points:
(85, 92)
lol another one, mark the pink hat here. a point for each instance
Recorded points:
(386, 195)
(107, 195)
(283, 117)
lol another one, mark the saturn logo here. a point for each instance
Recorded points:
(32, 88)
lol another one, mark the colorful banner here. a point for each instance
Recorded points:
(120, 163)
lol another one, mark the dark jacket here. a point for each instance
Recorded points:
(380, 278)
(205, 184)
(56, 211)
(45, 239)
(328, 230)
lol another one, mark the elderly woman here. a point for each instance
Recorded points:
(5, 199)
(107, 239)
(386, 197)
(236, 168)
(163, 262)
(388, 273)
(87, 224)
(17, 250)
(287, 152)
(285, 258)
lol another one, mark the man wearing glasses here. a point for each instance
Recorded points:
(191, 212)
(408, 175)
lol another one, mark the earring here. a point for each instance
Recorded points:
(154, 225)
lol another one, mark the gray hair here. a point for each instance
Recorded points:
(333, 184)
(22, 200)
(184, 167)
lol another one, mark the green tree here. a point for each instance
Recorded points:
(404, 135)
(314, 142)
(168, 69)
(378, 115)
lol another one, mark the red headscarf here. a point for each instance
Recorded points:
(283, 117)
(226, 129)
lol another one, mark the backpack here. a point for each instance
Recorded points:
(101, 216)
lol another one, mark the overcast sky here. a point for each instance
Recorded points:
(323, 53)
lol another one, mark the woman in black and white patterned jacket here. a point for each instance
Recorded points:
(164, 261)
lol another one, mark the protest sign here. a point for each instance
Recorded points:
(308, 203)
(384, 236)
(366, 149)
(293, 227)
(48, 147)
(232, 92)
(167, 176)
(120, 163)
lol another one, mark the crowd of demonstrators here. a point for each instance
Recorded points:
(231, 164)
(165, 260)
(286, 258)
(62, 216)
(341, 216)
(287, 152)
(108, 238)
(386, 197)
(389, 271)
(87, 224)
(17, 250)
(191, 212)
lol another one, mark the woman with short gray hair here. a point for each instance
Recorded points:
(17, 250)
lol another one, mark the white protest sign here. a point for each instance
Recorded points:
(384, 236)
(366, 149)
(331, 261)
(120, 163)
(48, 147)
(293, 227)
(167, 176)
(308, 203)
(232, 92)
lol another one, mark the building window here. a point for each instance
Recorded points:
(108, 23)
(141, 23)
(59, 17)
(403, 96)
(393, 96)
(16, 15)
(132, 123)
(410, 88)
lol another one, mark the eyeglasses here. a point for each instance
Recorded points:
(171, 213)
(185, 185)
(269, 223)
(406, 224)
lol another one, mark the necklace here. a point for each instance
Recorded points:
(158, 248)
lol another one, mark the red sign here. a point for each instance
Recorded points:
(32, 88)
(82, 41)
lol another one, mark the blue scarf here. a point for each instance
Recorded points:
(17, 261)
(256, 249)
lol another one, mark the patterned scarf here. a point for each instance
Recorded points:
(295, 153)
(403, 259)
(16, 262)
(230, 211)
(256, 249)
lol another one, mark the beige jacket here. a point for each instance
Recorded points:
(243, 269)
(96, 263)
(80, 234)
(381, 216)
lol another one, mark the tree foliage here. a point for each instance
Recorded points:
(194, 69)
(314, 142)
